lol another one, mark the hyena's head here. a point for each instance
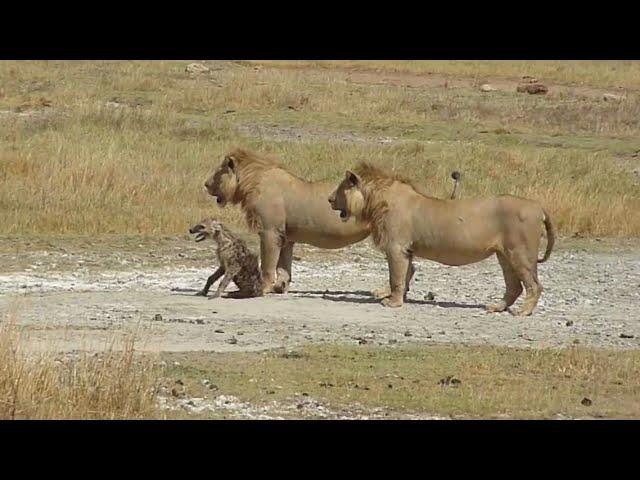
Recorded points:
(207, 228)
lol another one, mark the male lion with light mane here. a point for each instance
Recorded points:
(283, 209)
(405, 223)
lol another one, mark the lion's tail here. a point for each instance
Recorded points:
(551, 236)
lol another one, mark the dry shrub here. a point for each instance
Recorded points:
(115, 383)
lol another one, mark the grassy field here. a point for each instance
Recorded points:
(485, 382)
(350, 381)
(124, 147)
(612, 74)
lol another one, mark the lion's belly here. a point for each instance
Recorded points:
(339, 237)
(453, 257)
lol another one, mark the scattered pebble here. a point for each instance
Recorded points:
(586, 402)
(449, 381)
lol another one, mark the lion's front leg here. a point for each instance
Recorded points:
(270, 241)
(283, 271)
(384, 292)
(399, 263)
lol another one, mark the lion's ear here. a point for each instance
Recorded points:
(230, 162)
(352, 178)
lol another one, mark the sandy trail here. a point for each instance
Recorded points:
(590, 299)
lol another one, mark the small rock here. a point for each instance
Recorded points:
(449, 380)
(232, 340)
(569, 323)
(213, 386)
(430, 297)
(218, 331)
(408, 334)
(533, 89)
(610, 97)
(586, 402)
(487, 88)
(157, 317)
(197, 68)
(626, 335)
(392, 341)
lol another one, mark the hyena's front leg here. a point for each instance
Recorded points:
(270, 241)
(399, 262)
(210, 281)
(228, 276)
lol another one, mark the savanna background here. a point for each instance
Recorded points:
(111, 157)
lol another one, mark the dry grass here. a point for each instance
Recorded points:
(494, 382)
(81, 166)
(596, 73)
(113, 384)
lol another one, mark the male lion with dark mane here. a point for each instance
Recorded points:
(405, 223)
(282, 208)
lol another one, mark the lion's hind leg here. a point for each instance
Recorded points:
(513, 286)
(526, 268)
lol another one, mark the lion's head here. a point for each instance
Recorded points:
(238, 176)
(223, 184)
(207, 228)
(348, 198)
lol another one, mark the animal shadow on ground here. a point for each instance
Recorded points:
(191, 292)
(328, 292)
(371, 299)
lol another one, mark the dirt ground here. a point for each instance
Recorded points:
(75, 299)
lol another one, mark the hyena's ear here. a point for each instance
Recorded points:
(230, 162)
(352, 178)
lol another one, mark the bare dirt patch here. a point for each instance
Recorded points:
(590, 299)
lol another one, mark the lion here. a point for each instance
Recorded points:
(407, 223)
(284, 210)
